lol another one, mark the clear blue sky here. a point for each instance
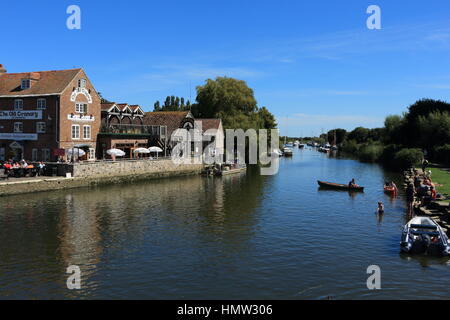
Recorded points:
(314, 64)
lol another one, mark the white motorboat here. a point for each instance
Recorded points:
(424, 235)
(288, 152)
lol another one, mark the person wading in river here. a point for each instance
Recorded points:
(410, 193)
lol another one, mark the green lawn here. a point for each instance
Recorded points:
(441, 177)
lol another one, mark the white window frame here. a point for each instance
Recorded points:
(18, 127)
(85, 137)
(82, 83)
(78, 107)
(41, 104)
(46, 155)
(76, 136)
(18, 106)
(34, 155)
(25, 84)
(41, 127)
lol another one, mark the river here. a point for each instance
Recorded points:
(239, 237)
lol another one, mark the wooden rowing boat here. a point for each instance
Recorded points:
(337, 186)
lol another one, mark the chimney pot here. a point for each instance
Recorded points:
(2, 69)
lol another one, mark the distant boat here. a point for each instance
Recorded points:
(288, 152)
(390, 190)
(277, 152)
(424, 235)
(301, 146)
(337, 186)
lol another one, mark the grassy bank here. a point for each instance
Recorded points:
(442, 179)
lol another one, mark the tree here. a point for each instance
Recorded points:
(226, 96)
(267, 119)
(360, 135)
(339, 134)
(157, 106)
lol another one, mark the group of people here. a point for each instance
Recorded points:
(21, 168)
(422, 188)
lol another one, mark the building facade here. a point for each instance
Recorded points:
(45, 114)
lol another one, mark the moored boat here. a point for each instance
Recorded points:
(288, 152)
(337, 186)
(423, 235)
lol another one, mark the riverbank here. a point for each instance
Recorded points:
(96, 174)
(438, 210)
(441, 176)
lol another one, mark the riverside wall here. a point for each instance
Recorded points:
(99, 173)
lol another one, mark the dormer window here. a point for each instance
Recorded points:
(82, 83)
(26, 84)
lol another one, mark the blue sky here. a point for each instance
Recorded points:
(314, 64)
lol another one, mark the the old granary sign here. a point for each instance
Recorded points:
(21, 115)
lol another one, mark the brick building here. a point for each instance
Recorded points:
(44, 113)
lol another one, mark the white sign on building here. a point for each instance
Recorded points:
(21, 115)
(19, 136)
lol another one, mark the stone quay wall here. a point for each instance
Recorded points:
(101, 173)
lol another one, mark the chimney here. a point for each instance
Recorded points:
(2, 69)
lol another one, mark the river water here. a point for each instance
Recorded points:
(239, 237)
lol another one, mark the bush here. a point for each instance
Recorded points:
(370, 153)
(442, 154)
(350, 146)
(407, 158)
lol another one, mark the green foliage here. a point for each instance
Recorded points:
(442, 154)
(433, 129)
(350, 146)
(370, 153)
(407, 158)
(338, 134)
(172, 103)
(234, 102)
(360, 135)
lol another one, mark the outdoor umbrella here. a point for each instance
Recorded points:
(155, 149)
(116, 153)
(76, 151)
(141, 150)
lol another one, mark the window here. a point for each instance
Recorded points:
(82, 83)
(86, 132)
(46, 155)
(34, 155)
(81, 108)
(40, 127)
(18, 105)
(91, 154)
(75, 131)
(41, 104)
(18, 127)
(26, 83)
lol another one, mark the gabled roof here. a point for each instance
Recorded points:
(137, 109)
(48, 83)
(172, 119)
(124, 107)
(208, 124)
(107, 106)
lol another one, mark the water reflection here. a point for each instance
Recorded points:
(238, 237)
